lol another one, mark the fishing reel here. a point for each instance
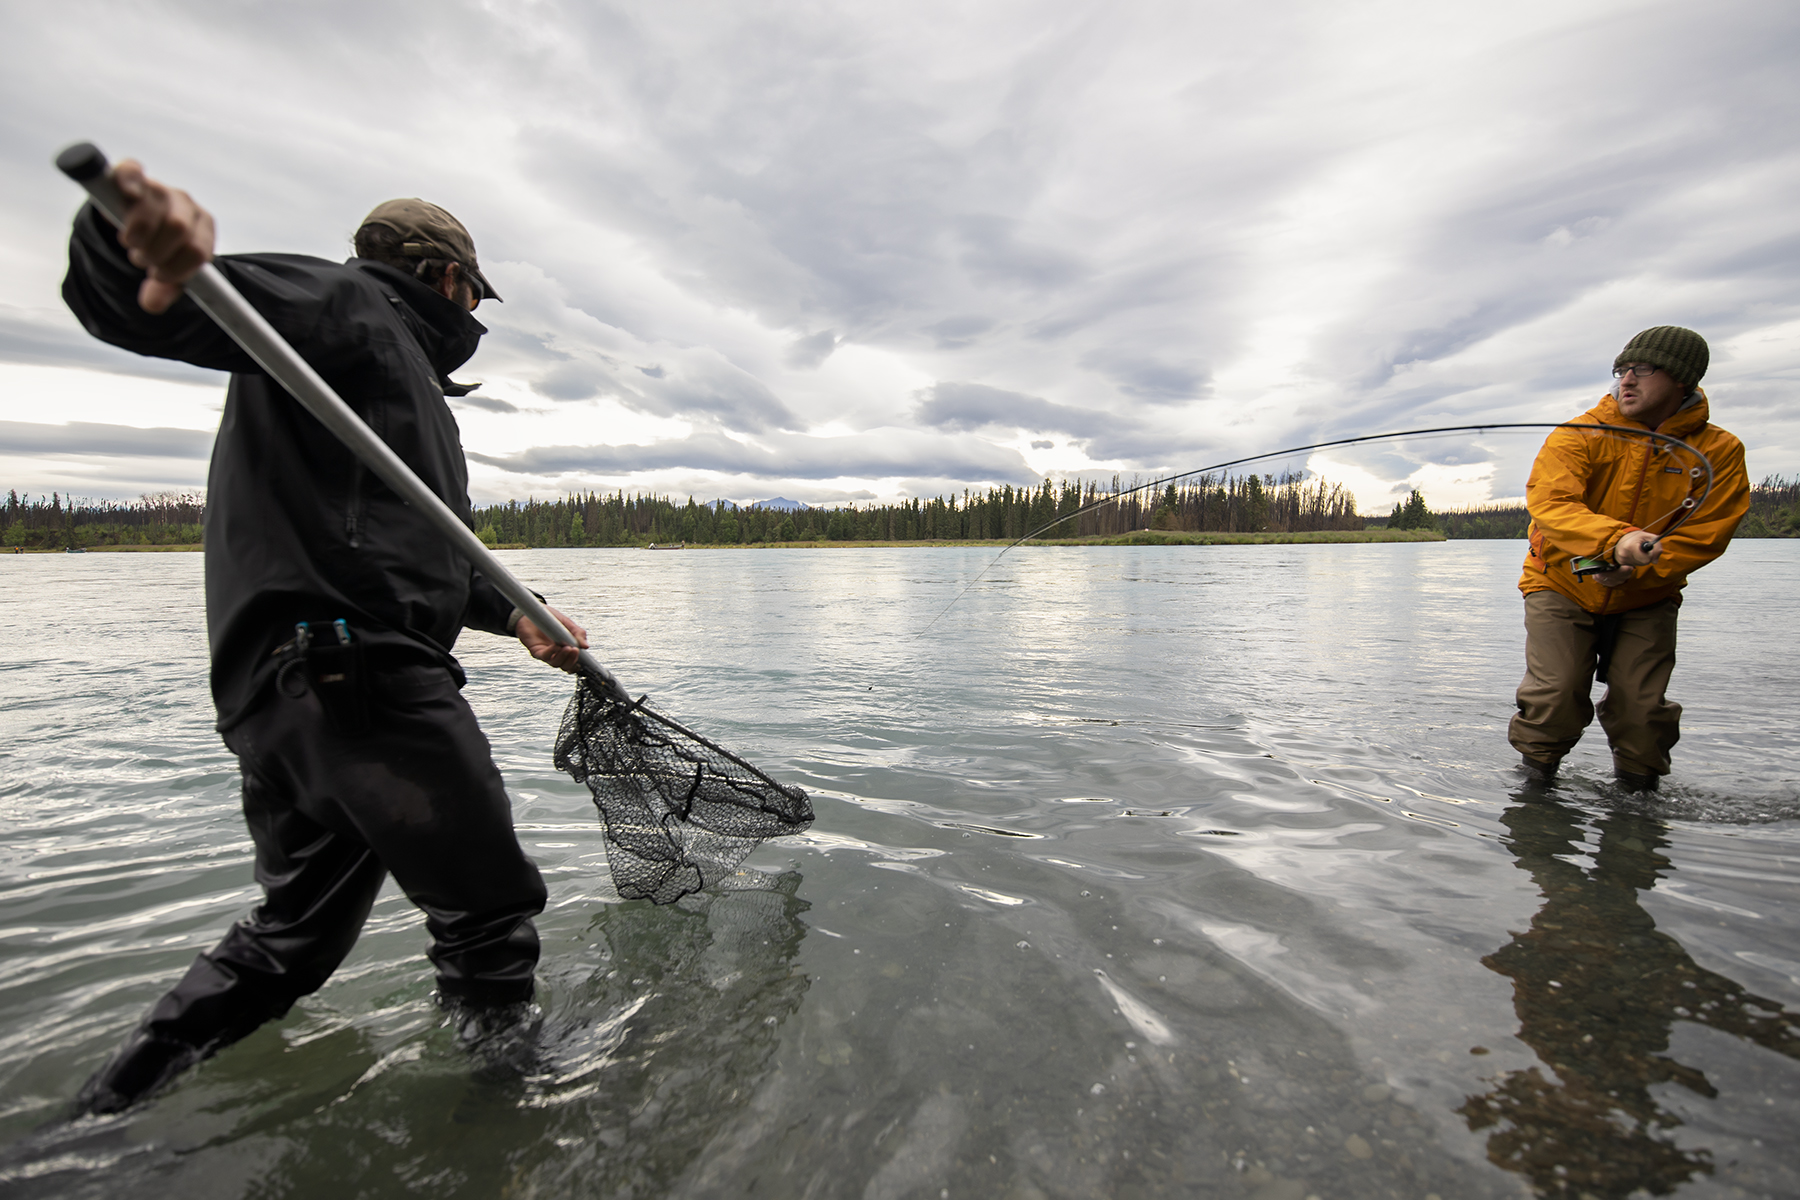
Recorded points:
(1592, 564)
(1585, 565)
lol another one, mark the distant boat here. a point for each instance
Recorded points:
(76, 550)
(666, 546)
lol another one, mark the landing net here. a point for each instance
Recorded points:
(680, 812)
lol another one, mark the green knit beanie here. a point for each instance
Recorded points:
(1680, 352)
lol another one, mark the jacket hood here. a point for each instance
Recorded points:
(448, 333)
(1688, 420)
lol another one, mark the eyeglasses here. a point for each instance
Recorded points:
(1641, 370)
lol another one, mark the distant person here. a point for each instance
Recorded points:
(1609, 497)
(332, 607)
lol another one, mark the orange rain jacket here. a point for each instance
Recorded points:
(1588, 490)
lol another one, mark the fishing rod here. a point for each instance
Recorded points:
(1680, 512)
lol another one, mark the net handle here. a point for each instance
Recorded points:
(218, 299)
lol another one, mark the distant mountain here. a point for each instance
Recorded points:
(779, 504)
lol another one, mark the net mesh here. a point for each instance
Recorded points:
(680, 812)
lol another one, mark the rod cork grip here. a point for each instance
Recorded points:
(82, 162)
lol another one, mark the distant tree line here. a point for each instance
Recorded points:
(1288, 503)
(1472, 522)
(1484, 521)
(1238, 504)
(1412, 513)
(59, 522)
(1774, 512)
(1774, 509)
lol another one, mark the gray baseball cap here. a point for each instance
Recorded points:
(430, 232)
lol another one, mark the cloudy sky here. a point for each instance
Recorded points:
(853, 251)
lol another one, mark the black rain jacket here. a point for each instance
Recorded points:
(296, 528)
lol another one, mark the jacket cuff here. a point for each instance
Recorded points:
(487, 610)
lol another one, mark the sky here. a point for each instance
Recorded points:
(864, 252)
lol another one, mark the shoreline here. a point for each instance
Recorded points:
(1141, 537)
(132, 548)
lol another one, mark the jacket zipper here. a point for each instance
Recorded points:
(350, 523)
(1637, 498)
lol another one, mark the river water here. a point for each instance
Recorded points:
(1148, 871)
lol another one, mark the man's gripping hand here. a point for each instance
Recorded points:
(1630, 551)
(1630, 555)
(165, 234)
(546, 648)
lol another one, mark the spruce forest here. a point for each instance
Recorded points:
(1239, 504)
(1225, 504)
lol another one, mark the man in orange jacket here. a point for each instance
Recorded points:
(1612, 497)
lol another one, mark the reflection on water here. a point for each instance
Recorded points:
(703, 988)
(1597, 988)
(651, 1041)
(618, 1103)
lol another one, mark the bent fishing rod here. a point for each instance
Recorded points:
(218, 299)
(1681, 512)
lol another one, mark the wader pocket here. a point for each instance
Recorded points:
(325, 659)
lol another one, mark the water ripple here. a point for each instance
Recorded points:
(1153, 871)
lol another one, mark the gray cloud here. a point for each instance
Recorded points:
(972, 406)
(89, 438)
(1159, 232)
(810, 352)
(883, 455)
(954, 333)
(54, 340)
(709, 385)
(1149, 378)
(1139, 438)
(995, 250)
(484, 403)
(572, 381)
(826, 193)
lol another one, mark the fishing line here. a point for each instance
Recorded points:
(1680, 512)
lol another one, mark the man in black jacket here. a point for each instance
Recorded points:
(332, 608)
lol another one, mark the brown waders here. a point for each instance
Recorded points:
(1566, 649)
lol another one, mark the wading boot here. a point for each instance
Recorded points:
(144, 1064)
(1637, 781)
(499, 1037)
(1538, 773)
